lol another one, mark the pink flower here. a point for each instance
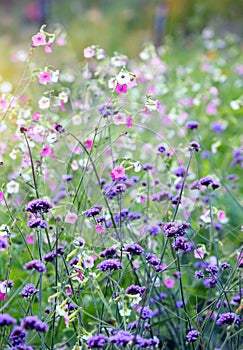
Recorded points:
(88, 144)
(199, 253)
(222, 217)
(240, 259)
(89, 52)
(211, 109)
(69, 290)
(30, 239)
(117, 173)
(132, 82)
(121, 88)
(61, 41)
(44, 78)
(47, 151)
(71, 218)
(48, 47)
(3, 291)
(38, 40)
(169, 282)
(1, 196)
(3, 103)
(129, 121)
(99, 228)
(119, 118)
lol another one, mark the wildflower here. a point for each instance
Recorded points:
(44, 78)
(121, 338)
(161, 148)
(206, 181)
(192, 125)
(38, 206)
(99, 228)
(194, 146)
(119, 118)
(210, 282)
(134, 290)
(192, 336)
(71, 218)
(129, 121)
(227, 318)
(39, 39)
(12, 187)
(97, 341)
(35, 264)
(225, 266)
(108, 253)
(109, 265)
(169, 282)
(33, 223)
(199, 274)
(29, 290)
(44, 102)
(121, 88)
(33, 323)
(6, 320)
(134, 249)
(89, 52)
(18, 336)
(199, 253)
(117, 173)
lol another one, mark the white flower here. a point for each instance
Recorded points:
(76, 119)
(63, 96)
(51, 138)
(12, 187)
(55, 76)
(112, 83)
(44, 102)
(123, 78)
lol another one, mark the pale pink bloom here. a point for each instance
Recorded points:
(211, 109)
(117, 173)
(199, 253)
(44, 102)
(119, 118)
(61, 41)
(80, 276)
(36, 116)
(88, 262)
(121, 88)
(12, 187)
(48, 47)
(44, 78)
(47, 151)
(62, 106)
(3, 103)
(129, 121)
(169, 282)
(214, 91)
(99, 228)
(132, 82)
(74, 165)
(89, 52)
(88, 144)
(222, 217)
(38, 39)
(71, 218)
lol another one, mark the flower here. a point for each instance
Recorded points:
(117, 173)
(97, 341)
(108, 253)
(227, 318)
(134, 290)
(89, 52)
(35, 264)
(39, 39)
(17, 336)
(192, 125)
(38, 206)
(44, 102)
(134, 249)
(12, 187)
(121, 88)
(119, 118)
(29, 290)
(199, 253)
(71, 218)
(33, 323)
(121, 338)
(6, 320)
(192, 336)
(169, 282)
(109, 265)
(33, 223)
(44, 78)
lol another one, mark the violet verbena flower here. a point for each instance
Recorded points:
(192, 336)
(228, 318)
(29, 290)
(146, 313)
(194, 146)
(97, 341)
(134, 249)
(35, 264)
(206, 181)
(33, 223)
(33, 323)
(18, 336)
(38, 206)
(108, 253)
(146, 343)
(6, 320)
(192, 125)
(134, 290)
(199, 274)
(121, 338)
(110, 265)
(172, 229)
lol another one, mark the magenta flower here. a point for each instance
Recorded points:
(117, 173)
(129, 121)
(99, 228)
(121, 88)
(47, 151)
(169, 282)
(38, 40)
(44, 78)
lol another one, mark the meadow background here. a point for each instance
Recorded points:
(121, 166)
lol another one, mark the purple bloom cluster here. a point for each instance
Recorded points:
(49, 257)
(95, 210)
(134, 249)
(110, 265)
(161, 196)
(3, 242)
(37, 222)
(192, 125)
(38, 206)
(171, 229)
(6, 320)
(35, 264)
(228, 318)
(18, 336)
(29, 290)
(97, 341)
(181, 243)
(121, 338)
(108, 253)
(33, 323)
(134, 290)
(192, 336)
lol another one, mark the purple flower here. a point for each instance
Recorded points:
(108, 253)
(227, 318)
(212, 269)
(110, 265)
(206, 181)
(29, 290)
(192, 125)
(146, 313)
(161, 148)
(49, 257)
(6, 320)
(210, 282)
(172, 229)
(38, 206)
(33, 323)
(134, 249)
(180, 171)
(134, 290)
(97, 341)
(33, 223)
(3, 242)
(67, 177)
(217, 127)
(17, 336)
(180, 243)
(35, 264)
(121, 338)
(95, 210)
(192, 336)
(199, 274)
(194, 146)
(225, 265)
(152, 259)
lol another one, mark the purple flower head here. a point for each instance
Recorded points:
(17, 336)
(215, 185)
(210, 282)
(74, 261)
(134, 249)
(152, 259)
(199, 274)
(217, 127)
(225, 266)
(212, 269)
(29, 290)
(161, 148)
(95, 210)
(97, 341)
(49, 257)
(108, 253)
(146, 313)
(110, 265)
(192, 336)
(134, 290)
(180, 171)
(38, 206)
(106, 110)
(33, 323)
(6, 320)
(180, 243)
(227, 318)
(206, 181)
(194, 146)
(67, 177)
(33, 223)
(121, 338)
(35, 264)
(192, 125)
(3, 242)
(172, 229)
